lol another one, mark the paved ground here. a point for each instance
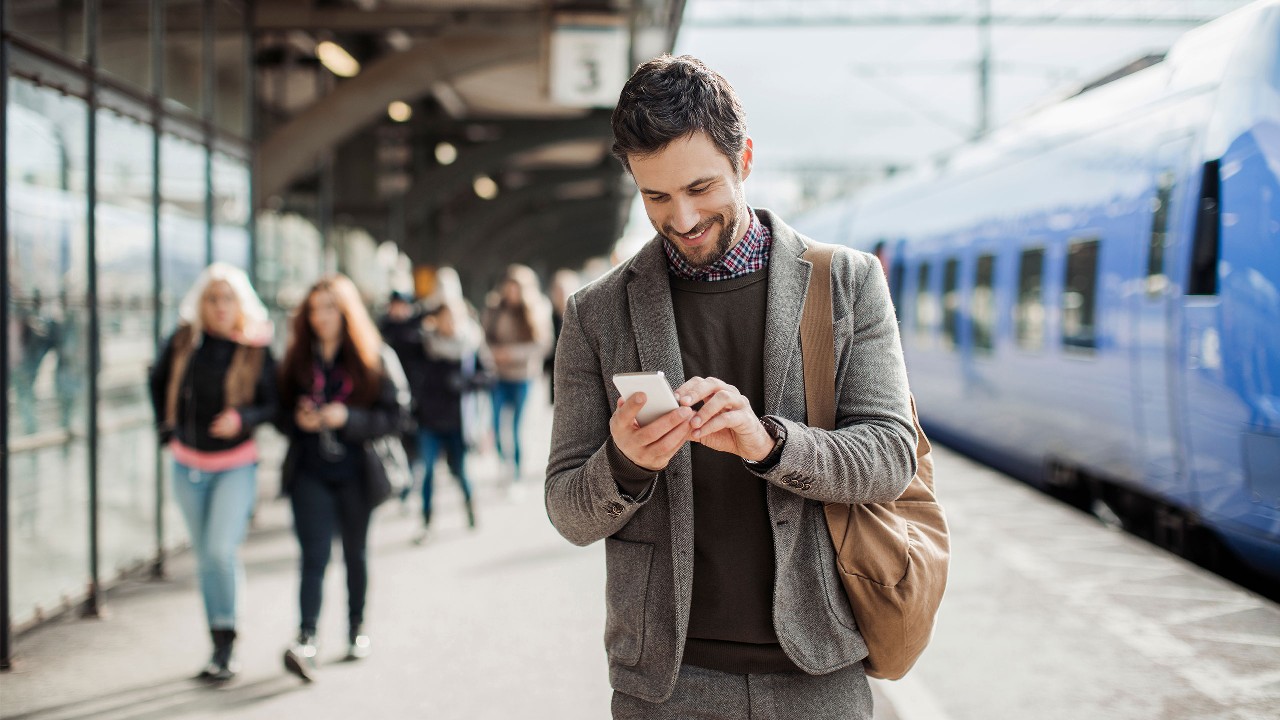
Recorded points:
(1048, 615)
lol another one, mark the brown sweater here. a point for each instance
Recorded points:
(721, 327)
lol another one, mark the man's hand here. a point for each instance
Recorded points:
(726, 421)
(652, 446)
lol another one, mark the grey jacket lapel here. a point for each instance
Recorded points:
(788, 285)
(653, 319)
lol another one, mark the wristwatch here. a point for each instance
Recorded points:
(778, 432)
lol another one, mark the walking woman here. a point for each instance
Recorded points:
(213, 384)
(453, 346)
(517, 328)
(343, 404)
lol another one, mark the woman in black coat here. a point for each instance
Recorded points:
(344, 404)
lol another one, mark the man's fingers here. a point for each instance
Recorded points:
(654, 431)
(716, 404)
(731, 419)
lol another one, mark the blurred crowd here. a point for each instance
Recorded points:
(368, 410)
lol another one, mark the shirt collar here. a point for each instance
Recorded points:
(747, 256)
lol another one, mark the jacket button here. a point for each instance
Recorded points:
(615, 508)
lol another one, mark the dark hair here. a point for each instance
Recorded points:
(669, 98)
(360, 353)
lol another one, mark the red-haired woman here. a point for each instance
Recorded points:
(344, 403)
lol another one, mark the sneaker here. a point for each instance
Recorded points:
(421, 536)
(358, 646)
(300, 658)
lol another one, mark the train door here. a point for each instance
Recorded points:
(1154, 356)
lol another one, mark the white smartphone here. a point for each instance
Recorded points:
(660, 399)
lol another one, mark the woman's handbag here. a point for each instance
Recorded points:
(386, 469)
(892, 557)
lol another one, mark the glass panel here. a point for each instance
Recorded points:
(983, 306)
(1156, 280)
(125, 45)
(183, 53)
(289, 261)
(229, 47)
(1079, 295)
(57, 24)
(182, 223)
(47, 255)
(926, 309)
(951, 304)
(231, 210)
(126, 494)
(1029, 314)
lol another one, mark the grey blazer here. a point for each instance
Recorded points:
(624, 323)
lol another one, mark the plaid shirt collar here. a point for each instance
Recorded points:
(748, 256)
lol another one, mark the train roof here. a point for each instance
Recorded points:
(1198, 61)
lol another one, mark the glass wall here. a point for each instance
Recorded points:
(126, 246)
(46, 176)
(202, 207)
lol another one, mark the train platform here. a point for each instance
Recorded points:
(1048, 615)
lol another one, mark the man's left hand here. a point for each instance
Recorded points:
(726, 421)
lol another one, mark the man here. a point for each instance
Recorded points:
(401, 328)
(744, 617)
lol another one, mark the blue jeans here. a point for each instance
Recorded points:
(513, 393)
(321, 508)
(430, 443)
(217, 507)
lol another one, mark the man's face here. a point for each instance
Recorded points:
(693, 196)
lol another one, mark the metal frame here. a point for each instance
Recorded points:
(81, 77)
(6, 645)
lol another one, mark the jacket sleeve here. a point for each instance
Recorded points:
(265, 401)
(871, 456)
(391, 412)
(159, 382)
(584, 501)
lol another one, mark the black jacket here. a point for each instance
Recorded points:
(202, 394)
(375, 428)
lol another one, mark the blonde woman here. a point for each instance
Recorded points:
(212, 386)
(517, 328)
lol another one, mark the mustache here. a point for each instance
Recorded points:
(697, 230)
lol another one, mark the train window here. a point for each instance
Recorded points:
(1079, 295)
(1028, 314)
(1204, 255)
(951, 303)
(897, 272)
(982, 309)
(1156, 280)
(925, 308)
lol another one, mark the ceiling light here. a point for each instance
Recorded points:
(400, 111)
(446, 153)
(485, 187)
(338, 60)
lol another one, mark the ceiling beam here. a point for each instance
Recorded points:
(295, 148)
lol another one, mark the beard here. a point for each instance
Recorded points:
(710, 254)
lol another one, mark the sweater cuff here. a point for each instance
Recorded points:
(633, 481)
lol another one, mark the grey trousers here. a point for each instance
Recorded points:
(703, 694)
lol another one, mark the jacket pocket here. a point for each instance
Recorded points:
(627, 566)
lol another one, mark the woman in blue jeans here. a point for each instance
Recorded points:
(517, 329)
(452, 349)
(344, 403)
(213, 384)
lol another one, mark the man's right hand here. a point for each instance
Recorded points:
(652, 446)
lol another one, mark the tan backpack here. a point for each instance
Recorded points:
(892, 557)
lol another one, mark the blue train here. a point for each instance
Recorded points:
(1090, 298)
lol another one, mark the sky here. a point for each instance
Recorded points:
(828, 108)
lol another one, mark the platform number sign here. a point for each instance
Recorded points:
(588, 64)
